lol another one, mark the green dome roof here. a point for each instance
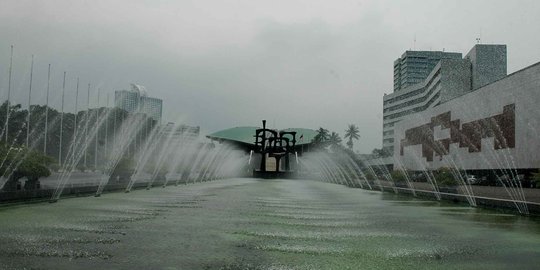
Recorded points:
(237, 134)
(247, 135)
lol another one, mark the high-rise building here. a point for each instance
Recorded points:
(151, 106)
(414, 66)
(127, 100)
(137, 100)
(488, 64)
(417, 88)
(490, 131)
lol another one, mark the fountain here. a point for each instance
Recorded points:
(164, 158)
(256, 217)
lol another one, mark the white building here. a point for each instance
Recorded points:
(137, 100)
(495, 127)
(451, 77)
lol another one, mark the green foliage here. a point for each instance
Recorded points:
(398, 176)
(21, 162)
(369, 175)
(334, 141)
(125, 165)
(124, 169)
(109, 119)
(444, 177)
(81, 167)
(325, 139)
(321, 139)
(536, 179)
(380, 153)
(352, 133)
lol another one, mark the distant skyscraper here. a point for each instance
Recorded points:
(414, 66)
(151, 106)
(137, 100)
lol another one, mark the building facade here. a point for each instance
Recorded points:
(127, 100)
(137, 100)
(414, 66)
(180, 132)
(494, 128)
(450, 77)
(152, 107)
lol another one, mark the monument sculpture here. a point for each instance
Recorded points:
(274, 144)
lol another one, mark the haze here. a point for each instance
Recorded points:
(220, 64)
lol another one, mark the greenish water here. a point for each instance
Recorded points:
(257, 224)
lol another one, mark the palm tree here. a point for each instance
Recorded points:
(352, 133)
(322, 135)
(321, 139)
(334, 140)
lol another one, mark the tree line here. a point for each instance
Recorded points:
(65, 130)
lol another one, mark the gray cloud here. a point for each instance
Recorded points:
(231, 63)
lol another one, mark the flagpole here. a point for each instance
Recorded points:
(114, 122)
(107, 127)
(301, 154)
(47, 111)
(9, 93)
(75, 127)
(29, 99)
(97, 132)
(86, 127)
(62, 122)
(76, 111)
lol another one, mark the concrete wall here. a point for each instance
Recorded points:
(455, 78)
(488, 64)
(496, 126)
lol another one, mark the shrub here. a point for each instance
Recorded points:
(369, 175)
(536, 180)
(444, 177)
(398, 176)
(124, 169)
(21, 162)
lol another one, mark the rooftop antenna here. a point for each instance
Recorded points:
(479, 38)
(480, 35)
(414, 44)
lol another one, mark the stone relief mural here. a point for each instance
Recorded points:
(501, 127)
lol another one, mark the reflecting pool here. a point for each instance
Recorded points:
(263, 224)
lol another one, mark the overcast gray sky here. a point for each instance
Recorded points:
(226, 63)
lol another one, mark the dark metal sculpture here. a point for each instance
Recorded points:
(274, 144)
